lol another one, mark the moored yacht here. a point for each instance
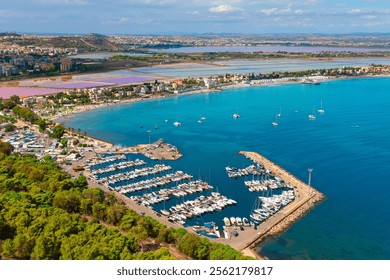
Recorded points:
(275, 122)
(312, 116)
(321, 110)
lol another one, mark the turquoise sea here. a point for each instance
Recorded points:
(348, 147)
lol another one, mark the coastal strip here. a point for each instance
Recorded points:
(306, 199)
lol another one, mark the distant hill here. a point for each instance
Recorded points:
(90, 42)
(99, 42)
(5, 34)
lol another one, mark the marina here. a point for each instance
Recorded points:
(238, 231)
(338, 152)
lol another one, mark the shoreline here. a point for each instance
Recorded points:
(274, 82)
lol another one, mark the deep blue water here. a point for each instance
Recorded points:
(348, 147)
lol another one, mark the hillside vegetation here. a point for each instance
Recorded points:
(44, 214)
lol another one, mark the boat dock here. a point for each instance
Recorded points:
(306, 198)
(158, 150)
(300, 198)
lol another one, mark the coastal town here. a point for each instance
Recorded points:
(140, 176)
(29, 125)
(30, 55)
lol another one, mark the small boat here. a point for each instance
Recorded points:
(245, 222)
(155, 126)
(232, 220)
(177, 123)
(165, 212)
(321, 110)
(310, 81)
(238, 221)
(280, 112)
(236, 116)
(275, 123)
(312, 116)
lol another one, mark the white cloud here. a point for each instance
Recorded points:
(370, 17)
(354, 11)
(120, 21)
(150, 2)
(223, 9)
(65, 2)
(268, 12)
(283, 11)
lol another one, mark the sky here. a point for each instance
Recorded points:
(195, 16)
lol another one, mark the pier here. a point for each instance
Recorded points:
(158, 150)
(306, 198)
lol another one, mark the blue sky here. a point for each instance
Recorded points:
(196, 16)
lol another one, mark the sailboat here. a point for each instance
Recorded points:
(202, 118)
(236, 115)
(312, 116)
(275, 123)
(280, 112)
(321, 110)
(165, 212)
(177, 123)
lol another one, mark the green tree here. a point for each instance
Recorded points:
(9, 128)
(68, 200)
(58, 131)
(6, 148)
(81, 182)
(9, 104)
(15, 99)
(64, 142)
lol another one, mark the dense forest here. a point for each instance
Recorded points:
(44, 214)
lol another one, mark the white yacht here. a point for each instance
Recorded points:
(312, 116)
(321, 110)
(280, 112)
(275, 123)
